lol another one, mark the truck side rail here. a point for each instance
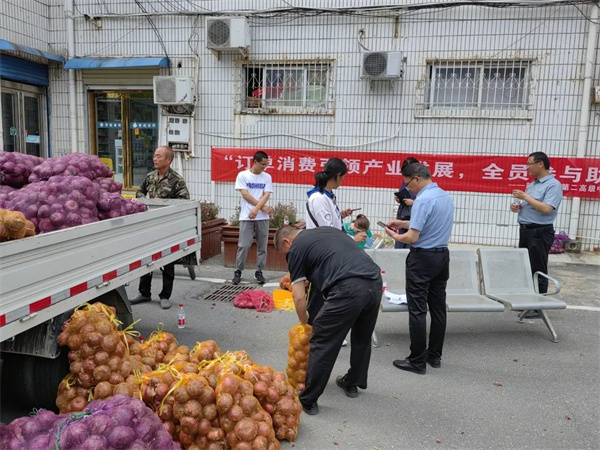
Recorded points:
(46, 275)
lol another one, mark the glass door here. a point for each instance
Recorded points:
(31, 116)
(143, 137)
(23, 119)
(10, 127)
(126, 133)
(109, 135)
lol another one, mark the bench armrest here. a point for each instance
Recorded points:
(554, 280)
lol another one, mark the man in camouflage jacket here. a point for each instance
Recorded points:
(163, 182)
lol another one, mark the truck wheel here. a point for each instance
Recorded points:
(192, 272)
(34, 380)
(48, 375)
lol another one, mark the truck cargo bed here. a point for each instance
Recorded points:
(46, 275)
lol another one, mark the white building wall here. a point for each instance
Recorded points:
(26, 23)
(554, 37)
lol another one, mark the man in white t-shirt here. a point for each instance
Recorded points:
(256, 186)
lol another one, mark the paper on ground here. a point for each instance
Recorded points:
(395, 299)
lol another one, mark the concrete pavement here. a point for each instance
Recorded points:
(501, 385)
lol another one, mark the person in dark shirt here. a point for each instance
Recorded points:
(351, 285)
(405, 200)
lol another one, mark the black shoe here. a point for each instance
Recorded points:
(350, 391)
(237, 277)
(405, 364)
(139, 299)
(258, 276)
(532, 315)
(311, 410)
(434, 361)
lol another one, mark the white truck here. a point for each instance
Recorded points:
(44, 278)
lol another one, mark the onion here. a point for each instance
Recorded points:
(94, 442)
(235, 413)
(121, 437)
(249, 404)
(216, 434)
(123, 415)
(145, 429)
(73, 435)
(224, 403)
(243, 446)
(103, 390)
(193, 408)
(210, 411)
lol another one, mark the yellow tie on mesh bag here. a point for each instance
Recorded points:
(283, 299)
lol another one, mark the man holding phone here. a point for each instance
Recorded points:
(405, 200)
(427, 266)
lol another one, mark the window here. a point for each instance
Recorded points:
(477, 89)
(286, 88)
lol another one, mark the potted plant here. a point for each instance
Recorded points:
(275, 260)
(211, 229)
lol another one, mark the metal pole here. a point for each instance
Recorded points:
(584, 118)
(72, 85)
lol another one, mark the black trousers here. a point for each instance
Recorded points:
(168, 275)
(427, 273)
(351, 304)
(538, 241)
(315, 303)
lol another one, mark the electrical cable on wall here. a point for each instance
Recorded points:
(153, 25)
(379, 10)
(301, 138)
(360, 38)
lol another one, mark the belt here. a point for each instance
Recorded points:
(531, 226)
(429, 250)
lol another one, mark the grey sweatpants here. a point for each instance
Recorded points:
(249, 228)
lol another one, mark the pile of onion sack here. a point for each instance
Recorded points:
(205, 399)
(16, 168)
(120, 422)
(63, 192)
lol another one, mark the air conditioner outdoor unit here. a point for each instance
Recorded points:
(382, 66)
(173, 91)
(227, 33)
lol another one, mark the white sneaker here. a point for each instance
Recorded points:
(345, 343)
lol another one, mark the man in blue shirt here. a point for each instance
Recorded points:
(427, 267)
(537, 212)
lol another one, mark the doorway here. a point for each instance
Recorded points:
(24, 119)
(124, 132)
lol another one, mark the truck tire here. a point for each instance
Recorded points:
(49, 374)
(33, 380)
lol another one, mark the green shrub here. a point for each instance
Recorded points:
(208, 211)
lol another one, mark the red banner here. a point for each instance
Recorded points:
(580, 177)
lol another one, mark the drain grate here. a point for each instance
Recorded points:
(227, 292)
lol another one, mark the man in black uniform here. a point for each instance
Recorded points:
(351, 285)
